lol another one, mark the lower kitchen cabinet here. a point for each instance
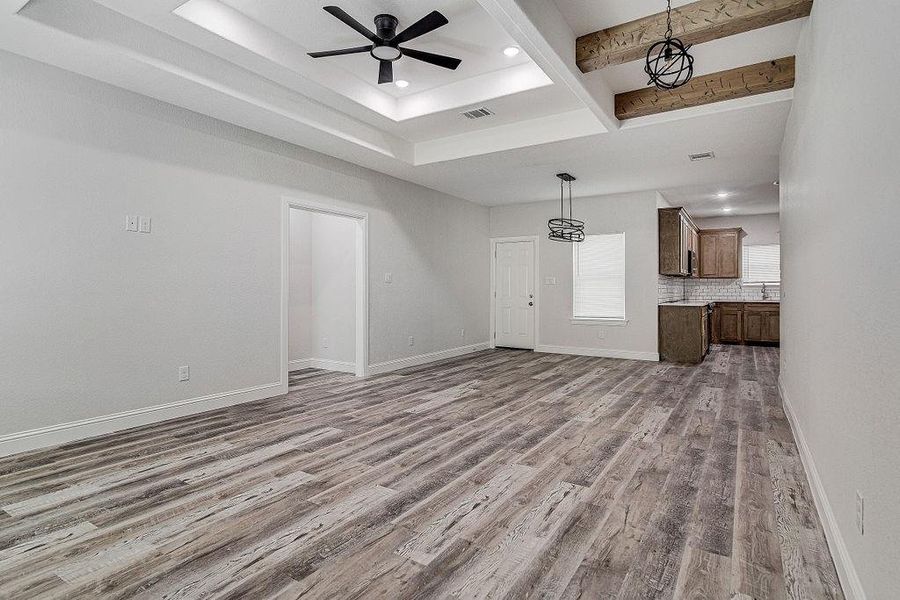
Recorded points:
(743, 322)
(683, 333)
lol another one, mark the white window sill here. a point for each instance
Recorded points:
(608, 322)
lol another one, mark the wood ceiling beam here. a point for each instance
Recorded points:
(769, 76)
(693, 23)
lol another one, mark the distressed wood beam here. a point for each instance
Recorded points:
(751, 80)
(693, 23)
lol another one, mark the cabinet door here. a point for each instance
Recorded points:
(708, 255)
(772, 328)
(754, 326)
(695, 247)
(730, 325)
(685, 245)
(728, 254)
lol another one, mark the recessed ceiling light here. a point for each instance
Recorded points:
(726, 209)
(511, 51)
(401, 83)
(722, 195)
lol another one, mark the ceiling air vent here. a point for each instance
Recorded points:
(702, 156)
(477, 113)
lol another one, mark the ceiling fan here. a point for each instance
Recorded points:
(385, 46)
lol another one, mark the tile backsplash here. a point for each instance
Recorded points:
(677, 288)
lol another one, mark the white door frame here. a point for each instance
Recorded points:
(537, 284)
(362, 276)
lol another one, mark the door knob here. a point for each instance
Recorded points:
(531, 304)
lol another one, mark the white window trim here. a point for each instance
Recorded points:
(610, 321)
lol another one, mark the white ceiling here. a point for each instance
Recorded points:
(705, 200)
(244, 61)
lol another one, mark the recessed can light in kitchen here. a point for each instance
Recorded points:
(726, 209)
(401, 83)
(511, 51)
(722, 195)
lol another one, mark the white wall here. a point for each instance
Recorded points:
(333, 312)
(300, 295)
(95, 320)
(322, 296)
(636, 215)
(760, 229)
(841, 261)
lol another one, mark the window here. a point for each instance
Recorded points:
(599, 276)
(762, 264)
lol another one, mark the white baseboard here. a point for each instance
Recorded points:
(600, 352)
(322, 363)
(85, 428)
(421, 359)
(846, 571)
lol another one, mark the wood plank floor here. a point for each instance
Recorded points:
(503, 474)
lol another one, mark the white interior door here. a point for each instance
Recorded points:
(514, 289)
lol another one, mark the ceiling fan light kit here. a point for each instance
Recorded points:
(669, 65)
(385, 46)
(565, 229)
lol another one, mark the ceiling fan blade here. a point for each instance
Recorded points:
(385, 71)
(429, 22)
(356, 50)
(350, 21)
(448, 62)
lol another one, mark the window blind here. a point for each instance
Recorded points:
(762, 263)
(599, 277)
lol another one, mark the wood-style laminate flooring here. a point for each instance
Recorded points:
(502, 474)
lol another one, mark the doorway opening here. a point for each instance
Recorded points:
(514, 293)
(324, 288)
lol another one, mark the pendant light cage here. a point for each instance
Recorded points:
(669, 65)
(565, 228)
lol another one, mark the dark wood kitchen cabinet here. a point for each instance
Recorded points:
(679, 244)
(683, 333)
(728, 320)
(762, 322)
(746, 322)
(721, 252)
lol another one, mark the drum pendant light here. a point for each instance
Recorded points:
(565, 229)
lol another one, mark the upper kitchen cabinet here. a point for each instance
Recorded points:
(679, 243)
(720, 252)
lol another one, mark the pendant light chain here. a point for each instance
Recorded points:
(669, 20)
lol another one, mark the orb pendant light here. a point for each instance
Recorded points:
(669, 65)
(565, 229)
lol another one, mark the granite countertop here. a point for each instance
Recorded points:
(705, 302)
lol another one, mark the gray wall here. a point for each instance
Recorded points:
(636, 215)
(96, 320)
(841, 262)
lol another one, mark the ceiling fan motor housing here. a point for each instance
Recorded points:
(386, 29)
(386, 26)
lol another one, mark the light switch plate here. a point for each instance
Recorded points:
(144, 224)
(549, 280)
(184, 373)
(131, 223)
(388, 278)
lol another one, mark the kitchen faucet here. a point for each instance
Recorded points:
(765, 293)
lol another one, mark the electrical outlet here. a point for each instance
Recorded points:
(388, 278)
(131, 223)
(184, 373)
(144, 224)
(324, 342)
(462, 333)
(860, 513)
(412, 341)
(601, 333)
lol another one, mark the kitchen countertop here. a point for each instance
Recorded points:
(704, 303)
